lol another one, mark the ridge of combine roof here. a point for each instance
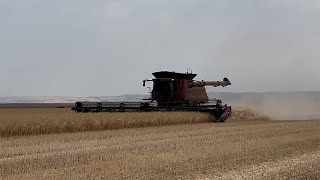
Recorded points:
(174, 75)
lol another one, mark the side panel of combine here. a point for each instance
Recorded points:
(162, 90)
(181, 86)
(197, 95)
(168, 91)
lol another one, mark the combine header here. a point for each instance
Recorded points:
(171, 92)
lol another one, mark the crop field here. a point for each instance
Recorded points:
(60, 144)
(47, 121)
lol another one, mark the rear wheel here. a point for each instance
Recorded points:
(121, 108)
(216, 115)
(99, 107)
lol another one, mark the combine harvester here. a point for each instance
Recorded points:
(171, 92)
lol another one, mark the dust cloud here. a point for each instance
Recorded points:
(283, 108)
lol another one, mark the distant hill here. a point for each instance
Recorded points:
(62, 99)
(225, 96)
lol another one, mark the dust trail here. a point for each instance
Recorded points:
(284, 108)
(246, 114)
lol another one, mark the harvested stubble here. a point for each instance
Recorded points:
(236, 150)
(19, 122)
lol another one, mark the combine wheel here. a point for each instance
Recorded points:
(99, 107)
(122, 108)
(215, 119)
(86, 110)
(216, 115)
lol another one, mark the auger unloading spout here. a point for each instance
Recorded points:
(223, 83)
(171, 92)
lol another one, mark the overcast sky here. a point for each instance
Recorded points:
(94, 48)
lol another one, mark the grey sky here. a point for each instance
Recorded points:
(87, 48)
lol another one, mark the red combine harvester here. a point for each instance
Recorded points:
(171, 92)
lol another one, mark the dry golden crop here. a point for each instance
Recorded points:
(18, 122)
(46, 121)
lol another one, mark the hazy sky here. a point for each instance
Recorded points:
(88, 48)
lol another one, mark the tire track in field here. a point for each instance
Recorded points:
(270, 170)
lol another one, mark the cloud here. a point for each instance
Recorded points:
(71, 9)
(308, 6)
(115, 11)
(108, 38)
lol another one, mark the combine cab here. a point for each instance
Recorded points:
(171, 92)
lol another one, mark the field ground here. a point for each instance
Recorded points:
(238, 149)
